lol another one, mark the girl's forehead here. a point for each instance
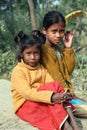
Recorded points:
(31, 47)
(58, 25)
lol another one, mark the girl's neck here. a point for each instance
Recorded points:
(51, 45)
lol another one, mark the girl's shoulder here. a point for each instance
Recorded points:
(19, 67)
(46, 49)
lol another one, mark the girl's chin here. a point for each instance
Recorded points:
(56, 43)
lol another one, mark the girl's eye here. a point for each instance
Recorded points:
(62, 31)
(37, 53)
(29, 53)
(54, 31)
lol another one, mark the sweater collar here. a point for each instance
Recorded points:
(50, 48)
(28, 66)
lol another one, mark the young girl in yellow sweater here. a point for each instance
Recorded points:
(37, 98)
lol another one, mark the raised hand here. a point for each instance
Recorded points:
(68, 39)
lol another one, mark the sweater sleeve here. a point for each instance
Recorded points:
(22, 88)
(69, 59)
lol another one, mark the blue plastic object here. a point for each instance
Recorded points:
(76, 101)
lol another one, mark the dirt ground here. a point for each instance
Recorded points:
(8, 120)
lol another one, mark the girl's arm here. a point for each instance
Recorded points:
(68, 54)
(69, 59)
(21, 87)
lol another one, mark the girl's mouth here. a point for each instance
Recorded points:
(57, 40)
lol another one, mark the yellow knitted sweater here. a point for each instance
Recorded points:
(24, 83)
(59, 68)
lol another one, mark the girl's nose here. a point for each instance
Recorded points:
(58, 34)
(32, 56)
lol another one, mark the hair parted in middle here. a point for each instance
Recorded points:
(23, 41)
(53, 17)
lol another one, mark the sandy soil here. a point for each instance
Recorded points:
(8, 120)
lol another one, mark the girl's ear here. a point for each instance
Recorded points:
(44, 31)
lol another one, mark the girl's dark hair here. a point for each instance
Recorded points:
(53, 17)
(23, 41)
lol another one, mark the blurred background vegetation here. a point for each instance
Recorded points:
(16, 15)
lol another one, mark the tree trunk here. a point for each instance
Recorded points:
(32, 14)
